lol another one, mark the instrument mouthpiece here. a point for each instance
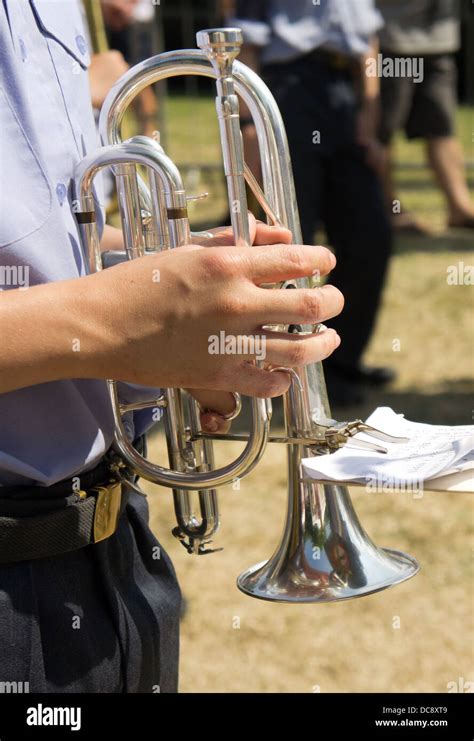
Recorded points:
(227, 41)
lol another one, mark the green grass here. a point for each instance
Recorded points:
(192, 132)
(192, 140)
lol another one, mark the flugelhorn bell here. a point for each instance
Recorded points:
(324, 554)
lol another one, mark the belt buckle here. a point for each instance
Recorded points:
(339, 61)
(107, 510)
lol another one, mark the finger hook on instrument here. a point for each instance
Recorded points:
(291, 371)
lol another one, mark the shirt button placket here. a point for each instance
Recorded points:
(81, 43)
(23, 50)
(61, 193)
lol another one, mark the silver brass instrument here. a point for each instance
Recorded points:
(324, 554)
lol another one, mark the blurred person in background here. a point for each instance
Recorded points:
(132, 30)
(107, 64)
(313, 58)
(428, 31)
(118, 14)
(107, 33)
(105, 69)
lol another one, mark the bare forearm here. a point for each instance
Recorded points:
(126, 324)
(52, 332)
(369, 84)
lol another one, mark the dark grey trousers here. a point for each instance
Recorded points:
(336, 188)
(104, 618)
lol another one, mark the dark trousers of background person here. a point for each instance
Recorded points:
(336, 188)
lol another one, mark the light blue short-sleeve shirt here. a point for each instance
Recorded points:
(288, 29)
(54, 430)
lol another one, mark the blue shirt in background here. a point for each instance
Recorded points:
(287, 29)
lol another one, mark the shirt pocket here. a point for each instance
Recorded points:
(62, 22)
(63, 29)
(25, 195)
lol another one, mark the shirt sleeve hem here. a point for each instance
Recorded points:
(255, 32)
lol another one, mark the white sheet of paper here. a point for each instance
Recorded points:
(466, 463)
(432, 450)
(462, 482)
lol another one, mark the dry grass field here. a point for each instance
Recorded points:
(346, 647)
(232, 643)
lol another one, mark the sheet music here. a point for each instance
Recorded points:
(431, 451)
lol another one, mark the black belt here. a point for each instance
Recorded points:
(333, 60)
(39, 522)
